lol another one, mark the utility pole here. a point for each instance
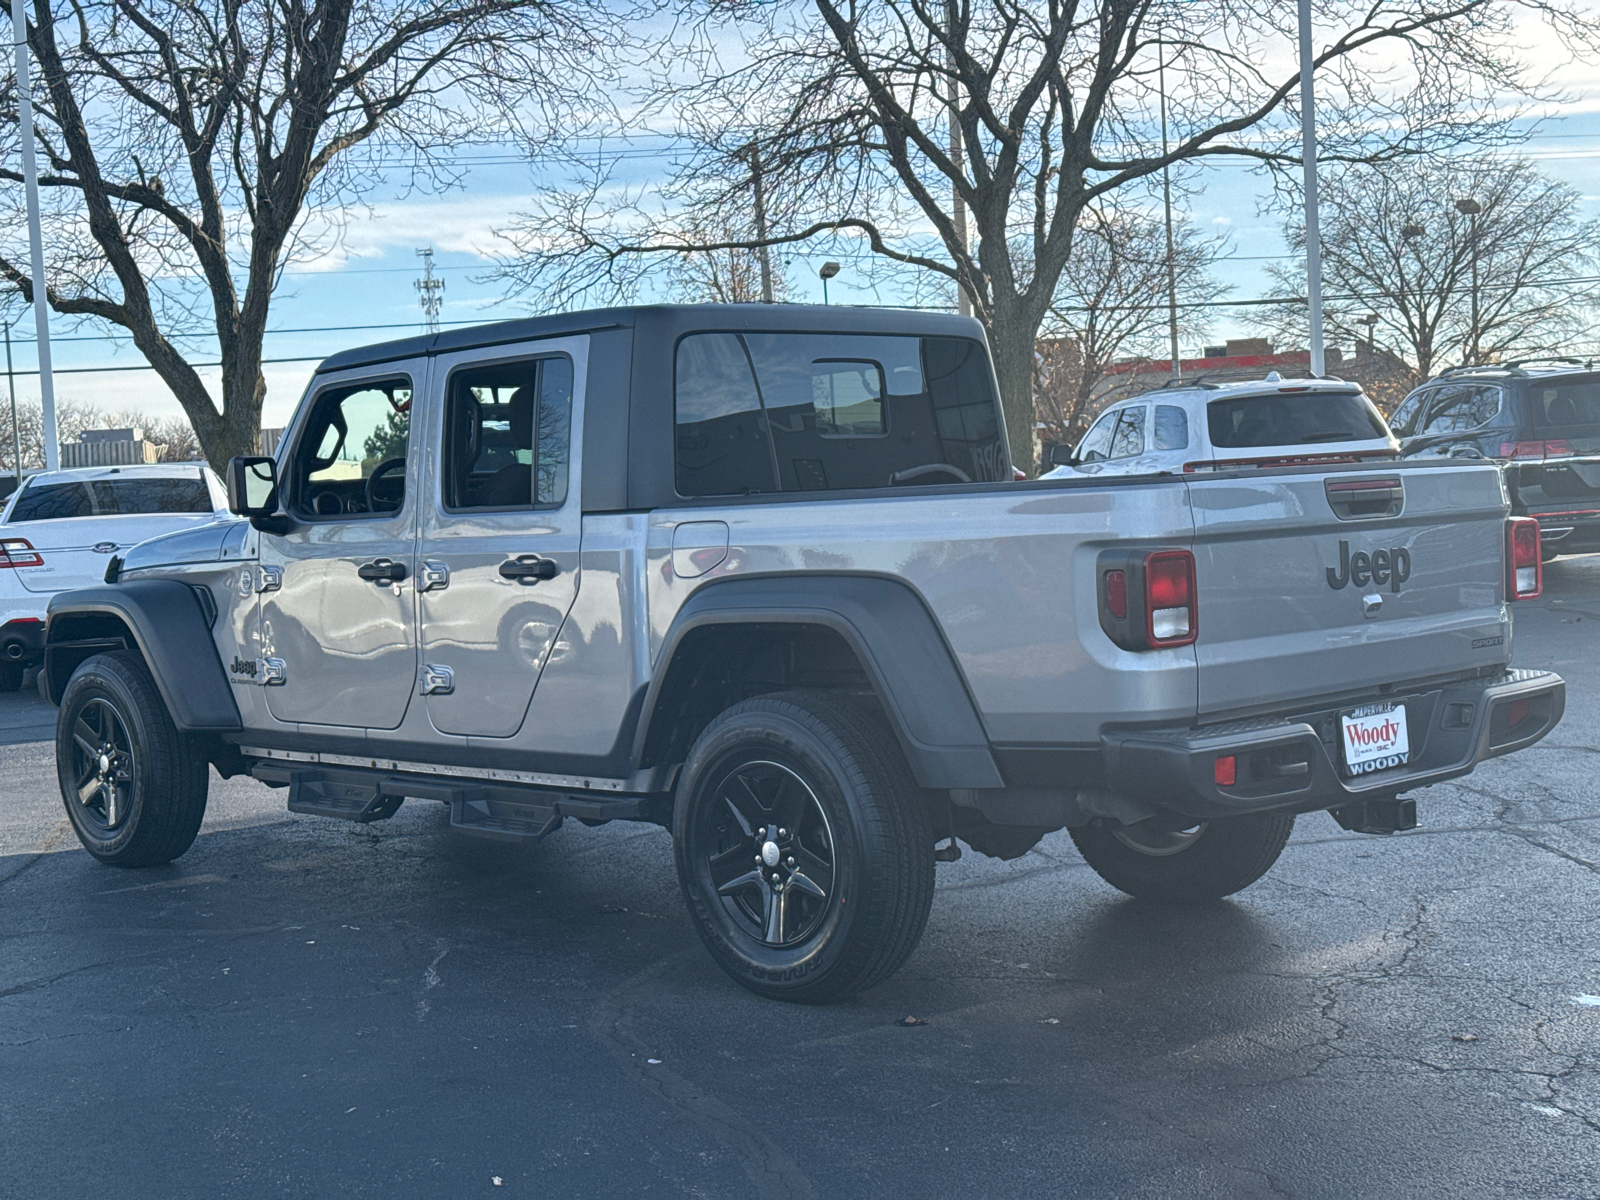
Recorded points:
(430, 291)
(30, 179)
(1166, 196)
(1471, 209)
(958, 207)
(764, 254)
(11, 386)
(1308, 157)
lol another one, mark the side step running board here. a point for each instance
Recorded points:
(502, 812)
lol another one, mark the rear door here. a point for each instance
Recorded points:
(1317, 584)
(74, 526)
(498, 559)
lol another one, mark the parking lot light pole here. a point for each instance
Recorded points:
(1308, 157)
(30, 177)
(1470, 209)
(11, 386)
(829, 270)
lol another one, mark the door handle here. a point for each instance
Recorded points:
(529, 566)
(382, 570)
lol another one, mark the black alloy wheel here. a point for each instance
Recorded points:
(103, 766)
(768, 853)
(803, 846)
(133, 785)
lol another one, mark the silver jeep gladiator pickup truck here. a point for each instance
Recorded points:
(761, 575)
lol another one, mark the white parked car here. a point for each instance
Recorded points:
(60, 528)
(1223, 426)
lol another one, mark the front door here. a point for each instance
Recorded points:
(337, 605)
(498, 556)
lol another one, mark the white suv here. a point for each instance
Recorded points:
(1207, 426)
(60, 528)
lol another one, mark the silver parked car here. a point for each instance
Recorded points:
(1224, 426)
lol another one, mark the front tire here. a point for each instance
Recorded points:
(133, 786)
(1210, 860)
(803, 847)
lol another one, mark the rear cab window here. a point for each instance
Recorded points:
(795, 412)
(1295, 419)
(111, 498)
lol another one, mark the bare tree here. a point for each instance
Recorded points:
(1111, 304)
(849, 103)
(192, 148)
(1397, 246)
(731, 275)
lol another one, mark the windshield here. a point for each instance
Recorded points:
(1305, 419)
(110, 498)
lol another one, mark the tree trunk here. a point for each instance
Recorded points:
(1011, 341)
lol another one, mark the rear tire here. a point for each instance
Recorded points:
(810, 788)
(133, 786)
(11, 674)
(1215, 859)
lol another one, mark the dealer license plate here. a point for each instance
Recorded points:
(1375, 738)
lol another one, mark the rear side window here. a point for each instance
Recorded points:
(1455, 409)
(1172, 427)
(508, 435)
(1563, 404)
(112, 498)
(1304, 419)
(794, 412)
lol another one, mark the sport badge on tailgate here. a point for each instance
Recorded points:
(1375, 738)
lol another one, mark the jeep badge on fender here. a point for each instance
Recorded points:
(1381, 566)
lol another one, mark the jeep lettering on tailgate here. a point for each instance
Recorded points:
(1381, 566)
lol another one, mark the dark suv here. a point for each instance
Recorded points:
(1540, 418)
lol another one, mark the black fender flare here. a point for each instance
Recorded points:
(897, 641)
(168, 627)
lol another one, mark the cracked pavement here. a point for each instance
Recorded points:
(302, 1007)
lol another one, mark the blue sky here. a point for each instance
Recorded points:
(369, 281)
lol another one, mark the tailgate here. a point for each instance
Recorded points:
(1288, 606)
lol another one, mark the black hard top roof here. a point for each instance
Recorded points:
(801, 318)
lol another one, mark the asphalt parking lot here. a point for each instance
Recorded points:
(302, 1007)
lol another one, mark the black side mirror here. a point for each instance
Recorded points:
(252, 486)
(1062, 456)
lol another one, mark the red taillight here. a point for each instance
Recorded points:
(19, 552)
(1170, 617)
(1526, 451)
(1225, 771)
(1117, 594)
(1018, 474)
(1524, 562)
(1516, 712)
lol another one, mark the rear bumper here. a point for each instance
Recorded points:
(1567, 528)
(1292, 764)
(22, 641)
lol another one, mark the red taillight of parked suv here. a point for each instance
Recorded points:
(1535, 451)
(19, 552)
(1524, 562)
